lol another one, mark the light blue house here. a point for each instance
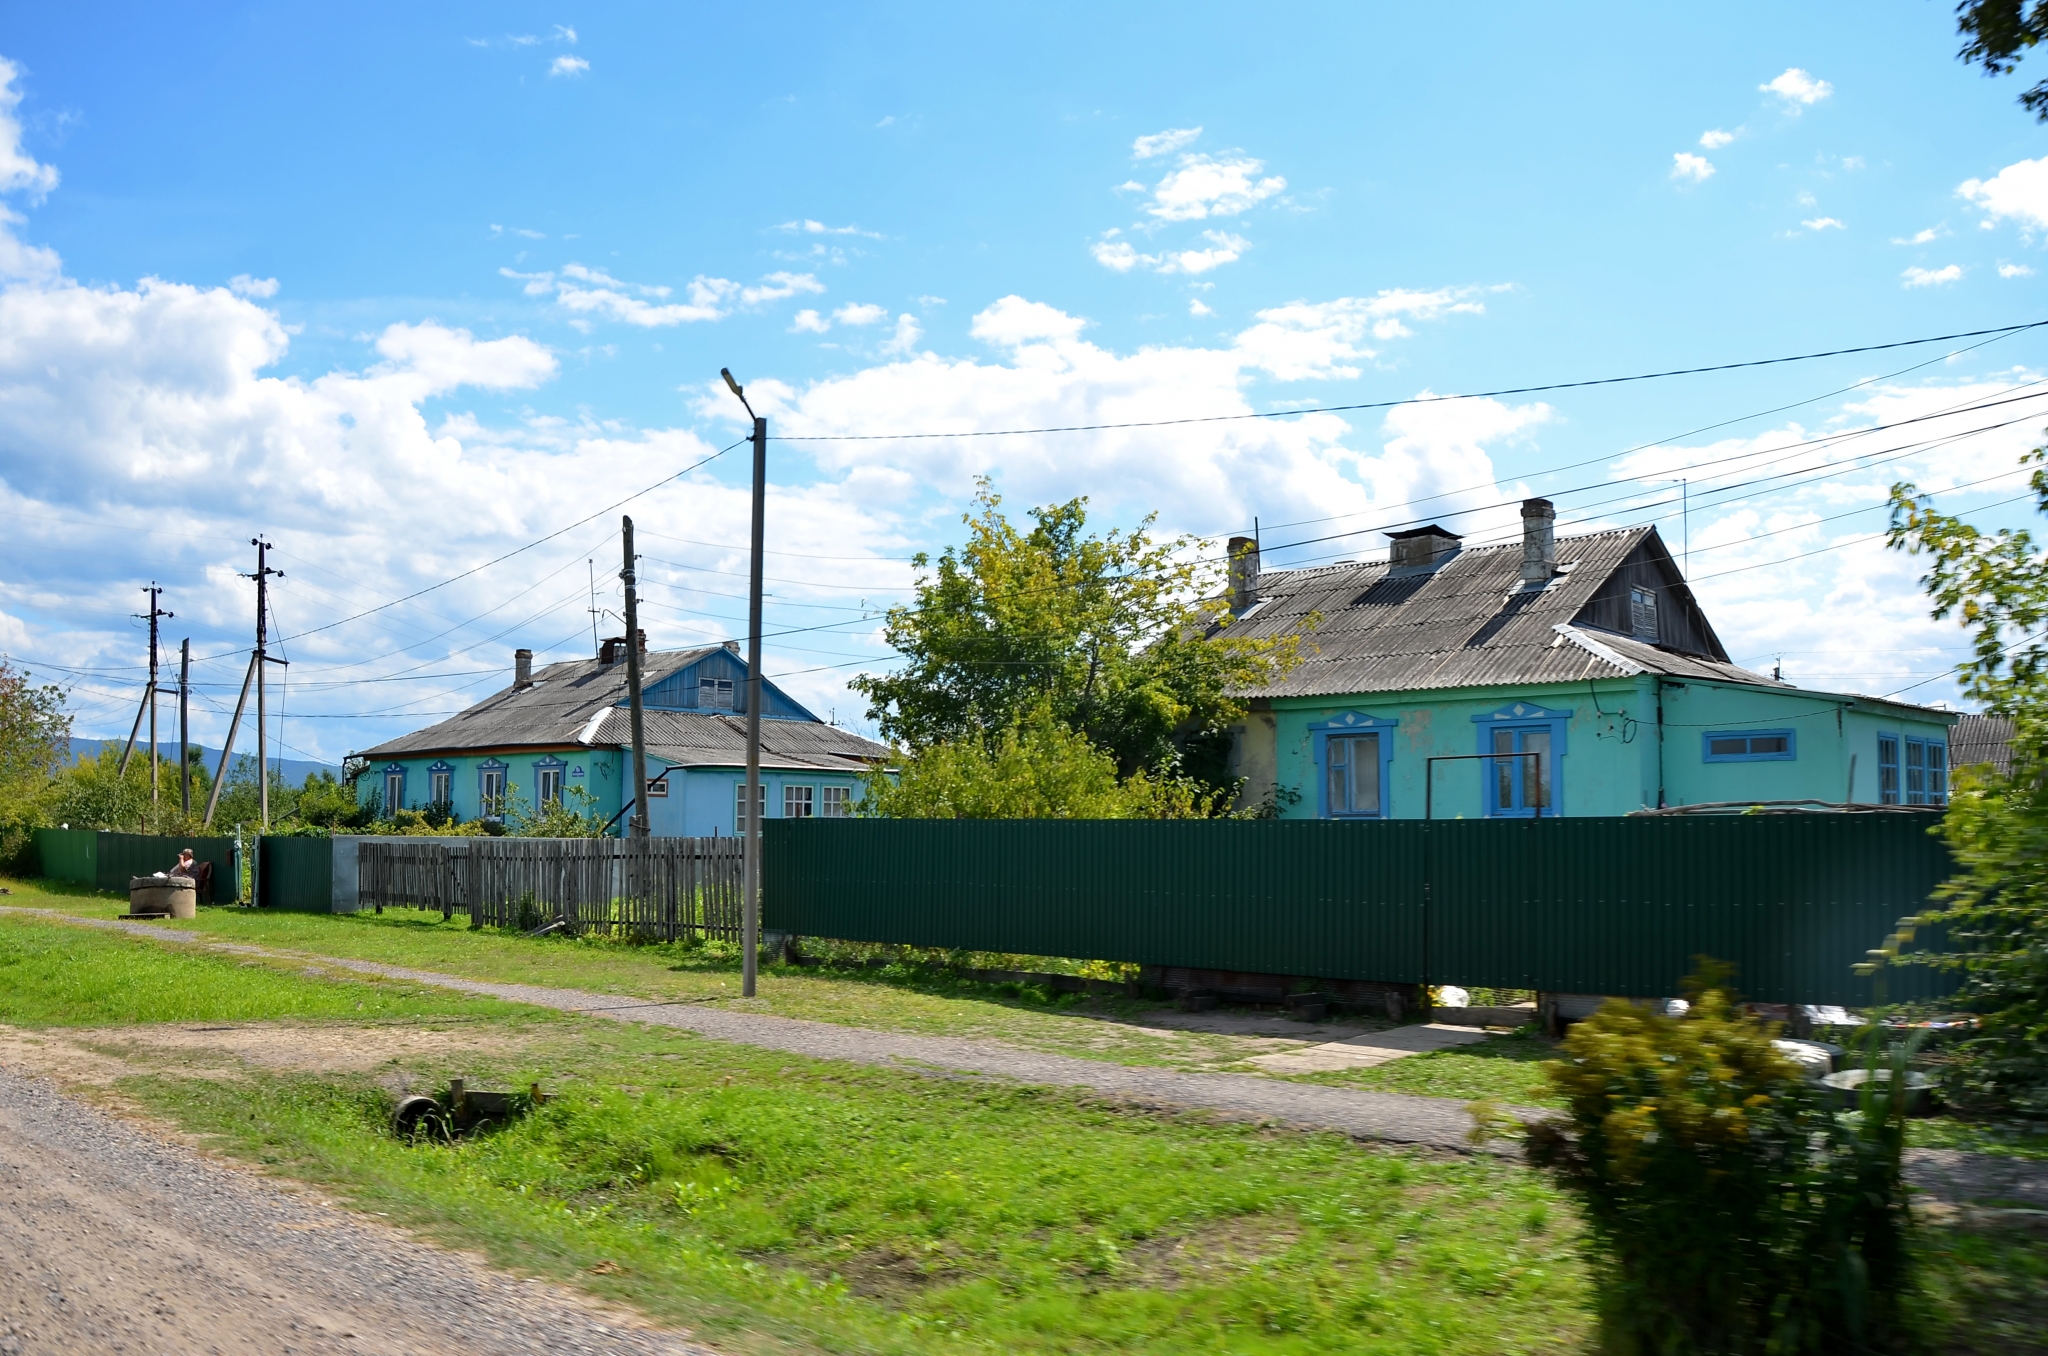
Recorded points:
(568, 726)
(1557, 676)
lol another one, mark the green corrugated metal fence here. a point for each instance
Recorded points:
(106, 861)
(68, 854)
(295, 874)
(1618, 906)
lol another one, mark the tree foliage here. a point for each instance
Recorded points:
(1993, 915)
(35, 742)
(1037, 768)
(1116, 636)
(1997, 33)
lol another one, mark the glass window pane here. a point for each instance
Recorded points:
(1728, 748)
(1365, 775)
(1504, 771)
(1769, 744)
(1338, 752)
(1536, 771)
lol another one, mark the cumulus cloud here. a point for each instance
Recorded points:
(19, 171)
(1823, 224)
(1932, 277)
(2019, 192)
(806, 226)
(1163, 143)
(1798, 89)
(903, 340)
(592, 294)
(2015, 271)
(1928, 236)
(860, 313)
(1203, 186)
(568, 65)
(1714, 139)
(1120, 255)
(243, 285)
(1691, 168)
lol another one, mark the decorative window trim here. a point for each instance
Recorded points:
(484, 800)
(1791, 753)
(558, 766)
(1523, 716)
(441, 772)
(391, 771)
(1349, 723)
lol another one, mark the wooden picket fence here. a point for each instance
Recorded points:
(660, 889)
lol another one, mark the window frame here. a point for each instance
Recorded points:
(394, 774)
(492, 806)
(1522, 717)
(1933, 773)
(720, 687)
(657, 787)
(1340, 725)
(831, 796)
(1790, 755)
(739, 805)
(1892, 794)
(795, 794)
(1641, 597)
(441, 783)
(545, 769)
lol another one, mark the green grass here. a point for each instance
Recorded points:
(1505, 1069)
(1985, 1288)
(906, 998)
(59, 974)
(780, 1203)
(2009, 1139)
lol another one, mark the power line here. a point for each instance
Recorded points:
(2001, 331)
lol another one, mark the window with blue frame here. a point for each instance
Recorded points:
(490, 788)
(1926, 772)
(394, 787)
(441, 783)
(1520, 778)
(1888, 769)
(1353, 753)
(1749, 746)
(547, 780)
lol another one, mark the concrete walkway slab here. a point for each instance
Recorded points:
(1371, 1049)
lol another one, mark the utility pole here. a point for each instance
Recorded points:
(636, 826)
(750, 861)
(184, 726)
(261, 658)
(148, 706)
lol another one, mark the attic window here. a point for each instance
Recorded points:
(1642, 614)
(714, 694)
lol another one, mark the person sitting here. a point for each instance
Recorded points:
(185, 868)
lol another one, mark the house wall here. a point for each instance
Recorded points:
(1613, 760)
(597, 771)
(679, 691)
(703, 801)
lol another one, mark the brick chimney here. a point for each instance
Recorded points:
(522, 668)
(1539, 541)
(1421, 548)
(1244, 575)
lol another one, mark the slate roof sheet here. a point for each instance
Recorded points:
(1980, 738)
(577, 702)
(1469, 623)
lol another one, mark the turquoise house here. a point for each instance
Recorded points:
(1556, 676)
(568, 725)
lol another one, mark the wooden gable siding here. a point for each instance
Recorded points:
(1681, 625)
(678, 691)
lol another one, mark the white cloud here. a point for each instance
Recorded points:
(809, 322)
(1203, 186)
(2019, 192)
(444, 359)
(1163, 143)
(1198, 309)
(2015, 271)
(1696, 168)
(806, 226)
(568, 65)
(19, 171)
(1928, 236)
(1798, 89)
(1302, 339)
(1119, 255)
(1013, 321)
(1932, 277)
(1715, 139)
(778, 286)
(904, 340)
(564, 33)
(243, 285)
(591, 293)
(860, 313)
(1823, 224)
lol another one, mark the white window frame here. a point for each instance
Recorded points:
(548, 785)
(799, 801)
(835, 802)
(739, 805)
(657, 787)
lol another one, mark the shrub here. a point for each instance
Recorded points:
(1729, 1209)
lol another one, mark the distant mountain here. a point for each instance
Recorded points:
(294, 770)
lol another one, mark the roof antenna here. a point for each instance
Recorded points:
(1778, 669)
(594, 645)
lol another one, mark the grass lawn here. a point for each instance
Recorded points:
(900, 998)
(1506, 1069)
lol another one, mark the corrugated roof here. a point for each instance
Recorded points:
(1470, 622)
(704, 739)
(1979, 738)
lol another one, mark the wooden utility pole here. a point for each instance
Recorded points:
(750, 941)
(184, 726)
(148, 707)
(637, 823)
(262, 658)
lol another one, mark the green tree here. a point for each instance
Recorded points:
(35, 744)
(1120, 636)
(1994, 913)
(1037, 768)
(1997, 33)
(573, 815)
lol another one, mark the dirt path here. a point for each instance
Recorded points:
(116, 1241)
(1430, 1121)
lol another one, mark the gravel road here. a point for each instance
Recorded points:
(1431, 1121)
(115, 1241)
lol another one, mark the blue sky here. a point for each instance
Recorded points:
(406, 287)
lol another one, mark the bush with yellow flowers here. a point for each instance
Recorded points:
(1729, 1207)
